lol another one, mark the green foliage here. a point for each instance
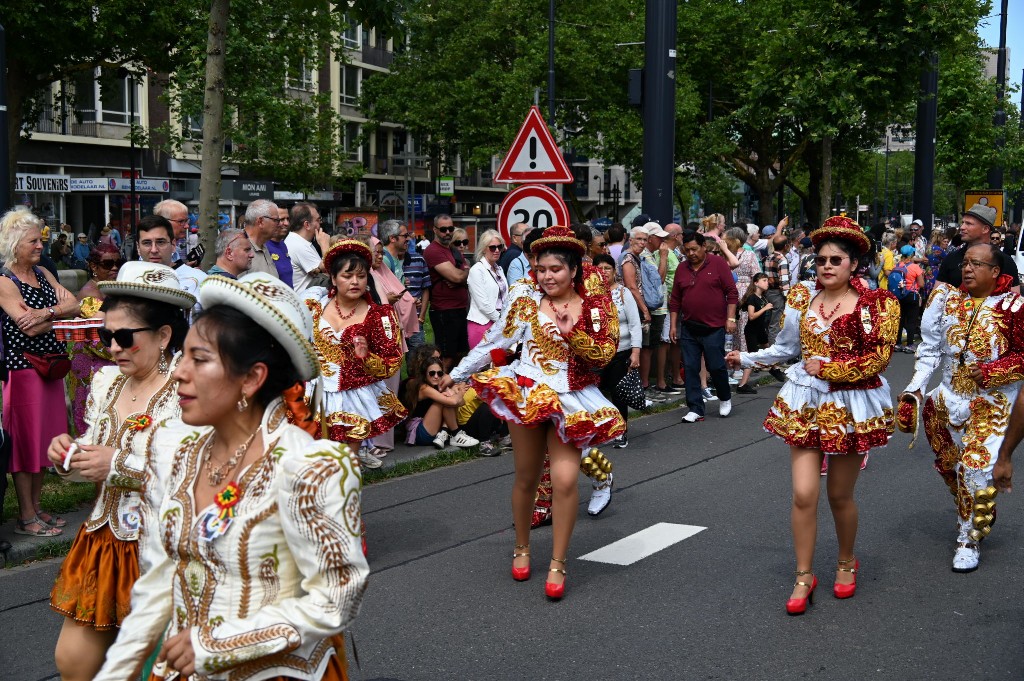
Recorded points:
(473, 66)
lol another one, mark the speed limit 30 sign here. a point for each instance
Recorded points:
(533, 204)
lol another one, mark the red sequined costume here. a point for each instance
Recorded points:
(357, 404)
(847, 408)
(555, 377)
(965, 423)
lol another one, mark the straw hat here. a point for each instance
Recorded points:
(273, 305)
(149, 280)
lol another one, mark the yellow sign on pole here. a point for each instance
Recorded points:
(986, 197)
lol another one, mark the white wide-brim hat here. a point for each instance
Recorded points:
(149, 280)
(273, 305)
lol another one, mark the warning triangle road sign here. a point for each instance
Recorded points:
(534, 156)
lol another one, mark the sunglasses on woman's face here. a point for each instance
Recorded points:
(463, 242)
(110, 264)
(435, 374)
(495, 248)
(834, 260)
(124, 337)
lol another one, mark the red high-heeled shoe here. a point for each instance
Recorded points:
(798, 606)
(521, 574)
(846, 590)
(552, 590)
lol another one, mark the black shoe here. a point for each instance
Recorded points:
(746, 390)
(667, 391)
(778, 374)
(621, 442)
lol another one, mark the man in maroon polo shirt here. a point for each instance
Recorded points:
(449, 293)
(702, 310)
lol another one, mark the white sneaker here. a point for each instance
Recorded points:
(733, 380)
(601, 497)
(724, 408)
(441, 439)
(966, 558)
(368, 460)
(460, 439)
(692, 417)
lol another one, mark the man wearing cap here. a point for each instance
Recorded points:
(973, 336)
(659, 254)
(82, 249)
(918, 241)
(261, 221)
(975, 228)
(910, 299)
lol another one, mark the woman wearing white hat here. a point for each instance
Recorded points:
(257, 561)
(144, 325)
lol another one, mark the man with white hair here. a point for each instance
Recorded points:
(176, 213)
(234, 254)
(261, 221)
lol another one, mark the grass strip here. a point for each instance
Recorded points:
(442, 459)
(58, 496)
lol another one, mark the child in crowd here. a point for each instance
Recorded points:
(756, 330)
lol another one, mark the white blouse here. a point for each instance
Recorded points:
(262, 597)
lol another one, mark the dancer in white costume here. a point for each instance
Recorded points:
(975, 336)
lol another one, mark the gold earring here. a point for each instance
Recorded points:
(243, 403)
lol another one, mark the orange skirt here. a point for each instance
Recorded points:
(94, 587)
(337, 668)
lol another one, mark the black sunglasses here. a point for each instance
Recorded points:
(110, 264)
(124, 337)
(446, 230)
(495, 247)
(435, 373)
(464, 242)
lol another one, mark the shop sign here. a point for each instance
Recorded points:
(88, 184)
(247, 190)
(49, 184)
(446, 186)
(124, 184)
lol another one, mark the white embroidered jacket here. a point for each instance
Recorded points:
(119, 500)
(262, 599)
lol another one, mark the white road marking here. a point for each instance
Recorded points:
(639, 545)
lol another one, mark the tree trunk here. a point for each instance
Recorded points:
(826, 179)
(16, 87)
(213, 128)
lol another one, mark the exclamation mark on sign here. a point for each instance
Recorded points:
(533, 153)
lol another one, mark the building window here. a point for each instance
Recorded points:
(116, 98)
(192, 126)
(351, 141)
(351, 36)
(103, 96)
(398, 142)
(350, 84)
(300, 78)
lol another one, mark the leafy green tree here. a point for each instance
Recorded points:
(57, 40)
(473, 68)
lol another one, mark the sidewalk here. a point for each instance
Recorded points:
(26, 548)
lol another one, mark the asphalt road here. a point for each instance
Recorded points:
(442, 605)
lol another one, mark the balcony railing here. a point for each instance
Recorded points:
(49, 122)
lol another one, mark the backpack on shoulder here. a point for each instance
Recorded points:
(898, 283)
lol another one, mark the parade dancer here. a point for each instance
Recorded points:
(835, 401)
(601, 477)
(257, 568)
(974, 335)
(144, 324)
(549, 395)
(359, 345)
